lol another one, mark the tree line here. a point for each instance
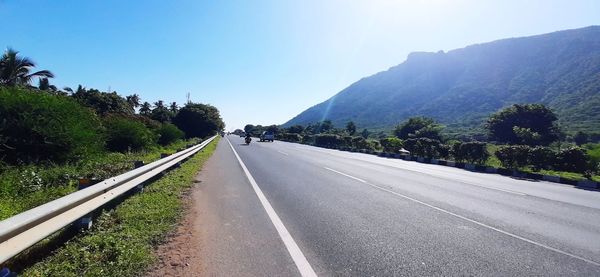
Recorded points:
(46, 124)
(522, 135)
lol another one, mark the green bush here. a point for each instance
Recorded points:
(541, 157)
(328, 140)
(127, 135)
(168, 133)
(471, 152)
(291, 137)
(391, 144)
(308, 139)
(360, 143)
(42, 127)
(423, 147)
(573, 159)
(373, 144)
(514, 156)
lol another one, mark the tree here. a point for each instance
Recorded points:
(296, 129)
(248, 128)
(531, 124)
(419, 127)
(173, 107)
(44, 84)
(365, 133)
(325, 126)
(16, 70)
(103, 102)
(273, 129)
(198, 120)
(159, 104)
(145, 109)
(351, 128)
(133, 100)
(581, 138)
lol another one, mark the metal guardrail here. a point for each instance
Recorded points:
(23, 230)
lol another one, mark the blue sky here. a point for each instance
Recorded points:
(259, 62)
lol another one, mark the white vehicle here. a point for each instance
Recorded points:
(267, 136)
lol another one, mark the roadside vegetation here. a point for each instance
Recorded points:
(50, 137)
(520, 137)
(122, 240)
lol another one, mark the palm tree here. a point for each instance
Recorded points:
(159, 105)
(15, 70)
(145, 108)
(44, 84)
(173, 107)
(133, 100)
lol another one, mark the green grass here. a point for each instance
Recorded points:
(122, 240)
(25, 187)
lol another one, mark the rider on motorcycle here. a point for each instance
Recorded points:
(248, 138)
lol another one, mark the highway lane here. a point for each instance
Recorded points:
(356, 214)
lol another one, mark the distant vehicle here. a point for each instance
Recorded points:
(248, 140)
(242, 135)
(267, 136)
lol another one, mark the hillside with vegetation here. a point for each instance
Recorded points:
(462, 87)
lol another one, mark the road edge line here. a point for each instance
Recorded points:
(299, 259)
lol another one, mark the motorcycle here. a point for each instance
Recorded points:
(248, 139)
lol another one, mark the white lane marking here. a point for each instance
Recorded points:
(420, 172)
(283, 153)
(344, 174)
(487, 226)
(299, 259)
(495, 188)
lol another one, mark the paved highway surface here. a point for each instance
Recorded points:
(284, 209)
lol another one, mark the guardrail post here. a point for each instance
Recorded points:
(86, 221)
(5, 272)
(140, 187)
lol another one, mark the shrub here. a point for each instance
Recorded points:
(391, 144)
(514, 156)
(328, 140)
(373, 144)
(424, 147)
(471, 152)
(126, 135)
(308, 139)
(42, 127)
(291, 137)
(444, 151)
(541, 158)
(572, 159)
(360, 143)
(168, 133)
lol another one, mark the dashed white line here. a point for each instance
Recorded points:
(344, 174)
(283, 153)
(420, 172)
(299, 259)
(471, 220)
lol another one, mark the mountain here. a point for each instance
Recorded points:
(460, 88)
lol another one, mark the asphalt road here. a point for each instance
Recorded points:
(362, 215)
